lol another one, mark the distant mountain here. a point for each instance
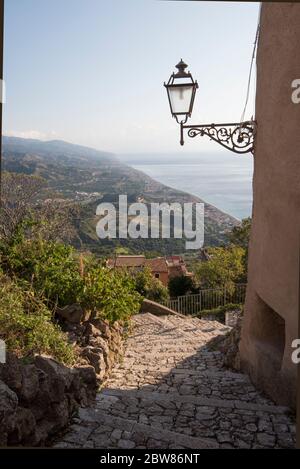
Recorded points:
(89, 176)
(55, 149)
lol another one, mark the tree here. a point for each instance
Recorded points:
(150, 287)
(181, 285)
(240, 236)
(121, 251)
(225, 268)
(18, 193)
(23, 210)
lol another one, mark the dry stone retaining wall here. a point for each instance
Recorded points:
(39, 398)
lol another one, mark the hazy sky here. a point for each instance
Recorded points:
(91, 71)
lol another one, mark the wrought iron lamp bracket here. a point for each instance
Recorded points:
(237, 137)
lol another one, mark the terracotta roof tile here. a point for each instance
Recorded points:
(127, 261)
(157, 265)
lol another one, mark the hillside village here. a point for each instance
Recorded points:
(162, 268)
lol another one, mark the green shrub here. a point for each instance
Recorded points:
(26, 324)
(110, 293)
(220, 311)
(51, 268)
(55, 271)
(224, 268)
(150, 287)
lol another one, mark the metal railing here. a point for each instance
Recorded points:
(207, 299)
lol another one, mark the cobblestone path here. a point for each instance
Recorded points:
(172, 392)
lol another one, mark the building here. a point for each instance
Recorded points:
(162, 268)
(159, 269)
(272, 300)
(177, 267)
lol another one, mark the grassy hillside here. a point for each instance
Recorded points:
(89, 177)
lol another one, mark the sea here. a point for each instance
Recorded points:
(223, 179)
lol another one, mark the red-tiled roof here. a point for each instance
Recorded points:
(126, 261)
(157, 265)
(174, 265)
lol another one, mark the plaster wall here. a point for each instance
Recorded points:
(272, 300)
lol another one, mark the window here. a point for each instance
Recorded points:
(156, 275)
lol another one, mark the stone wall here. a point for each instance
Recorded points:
(39, 397)
(229, 343)
(99, 343)
(157, 309)
(230, 346)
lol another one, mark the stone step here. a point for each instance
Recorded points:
(184, 335)
(171, 360)
(196, 400)
(169, 340)
(179, 322)
(146, 318)
(167, 332)
(186, 372)
(192, 321)
(174, 343)
(179, 355)
(98, 428)
(181, 348)
(152, 320)
(171, 392)
(138, 431)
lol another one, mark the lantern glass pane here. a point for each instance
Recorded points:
(180, 98)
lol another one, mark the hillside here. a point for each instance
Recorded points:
(89, 177)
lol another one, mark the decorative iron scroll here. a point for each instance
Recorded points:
(238, 137)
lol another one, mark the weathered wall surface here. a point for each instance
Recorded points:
(271, 312)
(164, 278)
(156, 309)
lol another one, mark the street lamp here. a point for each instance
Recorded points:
(181, 89)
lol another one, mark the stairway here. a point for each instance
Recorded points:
(171, 391)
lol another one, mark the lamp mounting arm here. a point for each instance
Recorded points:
(237, 137)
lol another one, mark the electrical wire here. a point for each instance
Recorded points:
(251, 65)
